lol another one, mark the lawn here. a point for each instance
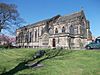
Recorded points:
(69, 62)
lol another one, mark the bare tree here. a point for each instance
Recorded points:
(9, 17)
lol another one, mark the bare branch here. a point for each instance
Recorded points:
(9, 17)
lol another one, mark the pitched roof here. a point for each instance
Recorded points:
(61, 18)
(68, 17)
(34, 24)
(43, 21)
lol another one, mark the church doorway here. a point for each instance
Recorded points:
(53, 43)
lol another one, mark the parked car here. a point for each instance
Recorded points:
(94, 44)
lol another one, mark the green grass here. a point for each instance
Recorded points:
(10, 58)
(83, 62)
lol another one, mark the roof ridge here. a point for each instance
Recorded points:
(73, 13)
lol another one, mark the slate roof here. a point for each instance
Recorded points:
(71, 16)
(34, 24)
(61, 18)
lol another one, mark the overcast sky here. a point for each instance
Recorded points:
(35, 10)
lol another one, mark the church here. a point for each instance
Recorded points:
(69, 31)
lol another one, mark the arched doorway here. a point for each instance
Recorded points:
(53, 43)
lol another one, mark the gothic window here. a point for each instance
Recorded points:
(83, 31)
(26, 37)
(35, 35)
(63, 29)
(56, 30)
(76, 30)
(20, 36)
(71, 28)
(38, 32)
(30, 37)
(18, 39)
(50, 30)
(41, 30)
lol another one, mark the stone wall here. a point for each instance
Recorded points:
(67, 31)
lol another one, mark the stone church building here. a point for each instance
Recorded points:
(68, 31)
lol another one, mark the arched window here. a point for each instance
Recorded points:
(56, 30)
(71, 28)
(21, 36)
(50, 30)
(30, 36)
(26, 37)
(63, 29)
(35, 35)
(76, 29)
(41, 30)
